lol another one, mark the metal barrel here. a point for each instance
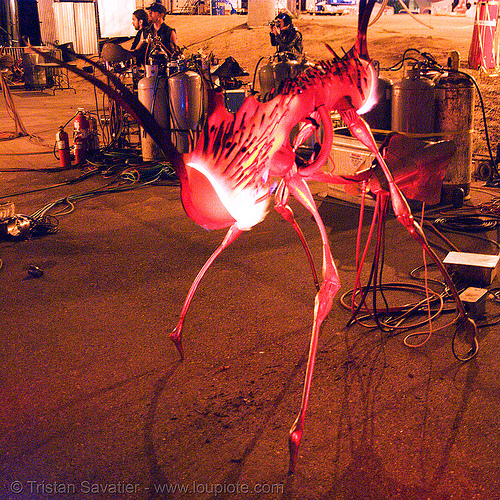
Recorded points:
(152, 93)
(454, 121)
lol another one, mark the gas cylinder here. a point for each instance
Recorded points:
(266, 81)
(282, 72)
(285, 70)
(379, 117)
(81, 130)
(185, 93)
(413, 103)
(273, 75)
(93, 142)
(152, 93)
(454, 121)
(62, 140)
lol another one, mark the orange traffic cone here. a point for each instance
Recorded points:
(482, 53)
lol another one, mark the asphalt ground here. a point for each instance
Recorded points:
(96, 404)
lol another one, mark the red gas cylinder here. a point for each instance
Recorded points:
(80, 136)
(62, 140)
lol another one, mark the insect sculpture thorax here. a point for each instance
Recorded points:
(237, 157)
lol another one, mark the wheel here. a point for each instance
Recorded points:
(483, 172)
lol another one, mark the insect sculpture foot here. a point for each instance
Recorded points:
(176, 335)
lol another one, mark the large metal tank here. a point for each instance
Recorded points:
(379, 117)
(273, 75)
(413, 103)
(266, 81)
(454, 121)
(152, 92)
(185, 92)
(34, 74)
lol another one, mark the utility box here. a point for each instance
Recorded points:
(474, 301)
(472, 268)
(348, 156)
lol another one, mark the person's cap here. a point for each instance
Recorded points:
(287, 19)
(157, 7)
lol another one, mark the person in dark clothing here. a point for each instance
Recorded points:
(162, 36)
(139, 45)
(285, 37)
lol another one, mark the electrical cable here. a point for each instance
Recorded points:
(393, 319)
(469, 224)
(466, 224)
(413, 275)
(131, 179)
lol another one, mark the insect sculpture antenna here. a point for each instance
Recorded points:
(226, 180)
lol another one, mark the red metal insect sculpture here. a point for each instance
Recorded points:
(227, 179)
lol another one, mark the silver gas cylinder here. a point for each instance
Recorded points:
(413, 103)
(185, 91)
(455, 121)
(266, 81)
(152, 93)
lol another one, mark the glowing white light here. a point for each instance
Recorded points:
(248, 206)
(371, 98)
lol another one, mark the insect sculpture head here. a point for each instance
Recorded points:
(368, 89)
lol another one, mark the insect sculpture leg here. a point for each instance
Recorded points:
(322, 305)
(282, 207)
(176, 335)
(361, 131)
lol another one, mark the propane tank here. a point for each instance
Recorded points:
(152, 93)
(186, 107)
(62, 140)
(379, 117)
(266, 81)
(81, 132)
(454, 121)
(413, 102)
(283, 71)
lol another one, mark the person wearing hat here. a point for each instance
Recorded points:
(285, 37)
(162, 35)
